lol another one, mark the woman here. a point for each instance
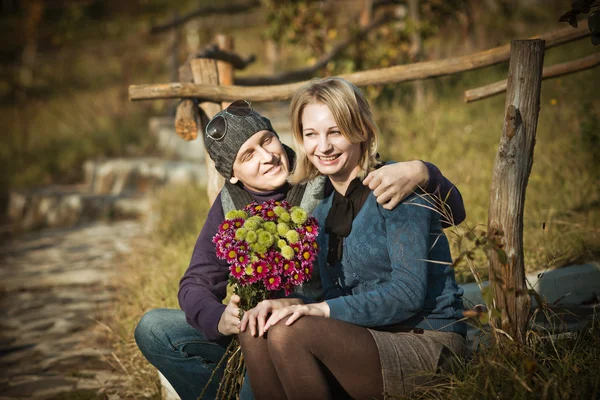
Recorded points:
(392, 310)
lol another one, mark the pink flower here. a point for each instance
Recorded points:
(289, 267)
(296, 246)
(272, 282)
(268, 214)
(226, 226)
(307, 254)
(307, 269)
(297, 278)
(237, 270)
(261, 268)
(288, 287)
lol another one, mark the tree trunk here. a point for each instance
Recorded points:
(509, 182)
(205, 72)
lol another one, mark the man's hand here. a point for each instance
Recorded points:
(393, 182)
(296, 312)
(229, 324)
(256, 318)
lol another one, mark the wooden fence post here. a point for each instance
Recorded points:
(186, 117)
(225, 42)
(509, 182)
(204, 71)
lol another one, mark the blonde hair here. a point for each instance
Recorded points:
(352, 115)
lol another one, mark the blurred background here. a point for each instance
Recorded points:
(75, 150)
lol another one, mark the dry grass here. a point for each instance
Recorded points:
(149, 277)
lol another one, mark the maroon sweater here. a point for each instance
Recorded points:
(204, 285)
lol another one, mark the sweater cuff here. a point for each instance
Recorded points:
(433, 185)
(336, 309)
(211, 330)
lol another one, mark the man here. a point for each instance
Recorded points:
(187, 345)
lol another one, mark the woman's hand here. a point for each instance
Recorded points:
(297, 311)
(255, 318)
(393, 182)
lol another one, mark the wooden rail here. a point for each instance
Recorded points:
(396, 74)
(553, 71)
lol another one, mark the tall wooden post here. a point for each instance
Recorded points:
(509, 182)
(186, 117)
(204, 71)
(225, 42)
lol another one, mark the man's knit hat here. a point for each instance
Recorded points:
(238, 129)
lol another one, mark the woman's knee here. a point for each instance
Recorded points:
(282, 336)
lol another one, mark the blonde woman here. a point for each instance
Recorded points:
(392, 309)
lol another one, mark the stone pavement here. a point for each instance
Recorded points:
(55, 284)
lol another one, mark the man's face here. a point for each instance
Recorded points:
(261, 163)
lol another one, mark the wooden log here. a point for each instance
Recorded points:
(553, 71)
(509, 182)
(395, 74)
(205, 71)
(186, 117)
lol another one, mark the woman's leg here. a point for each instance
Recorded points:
(261, 371)
(348, 351)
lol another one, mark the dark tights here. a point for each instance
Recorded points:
(314, 358)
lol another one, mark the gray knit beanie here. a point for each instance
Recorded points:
(239, 129)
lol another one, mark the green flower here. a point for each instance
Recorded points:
(299, 216)
(270, 227)
(287, 252)
(284, 217)
(278, 210)
(292, 236)
(259, 248)
(241, 233)
(282, 229)
(251, 236)
(234, 214)
(265, 238)
(251, 224)
(281, 243)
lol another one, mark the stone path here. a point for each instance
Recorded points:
(55, 283)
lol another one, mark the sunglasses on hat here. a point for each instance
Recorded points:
(217, 127)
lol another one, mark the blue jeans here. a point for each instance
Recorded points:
(182, 354)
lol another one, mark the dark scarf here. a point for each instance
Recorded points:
(338, 223)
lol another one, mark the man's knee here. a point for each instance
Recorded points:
(149, 332)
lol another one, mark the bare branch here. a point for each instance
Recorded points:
(308, 72)
(213, 51)
(204, 11)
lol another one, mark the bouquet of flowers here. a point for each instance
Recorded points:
(270, 248)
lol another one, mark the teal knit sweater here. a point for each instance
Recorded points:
(388, 278)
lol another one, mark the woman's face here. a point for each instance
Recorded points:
(329, 151)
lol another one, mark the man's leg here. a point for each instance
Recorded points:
(179, 352)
